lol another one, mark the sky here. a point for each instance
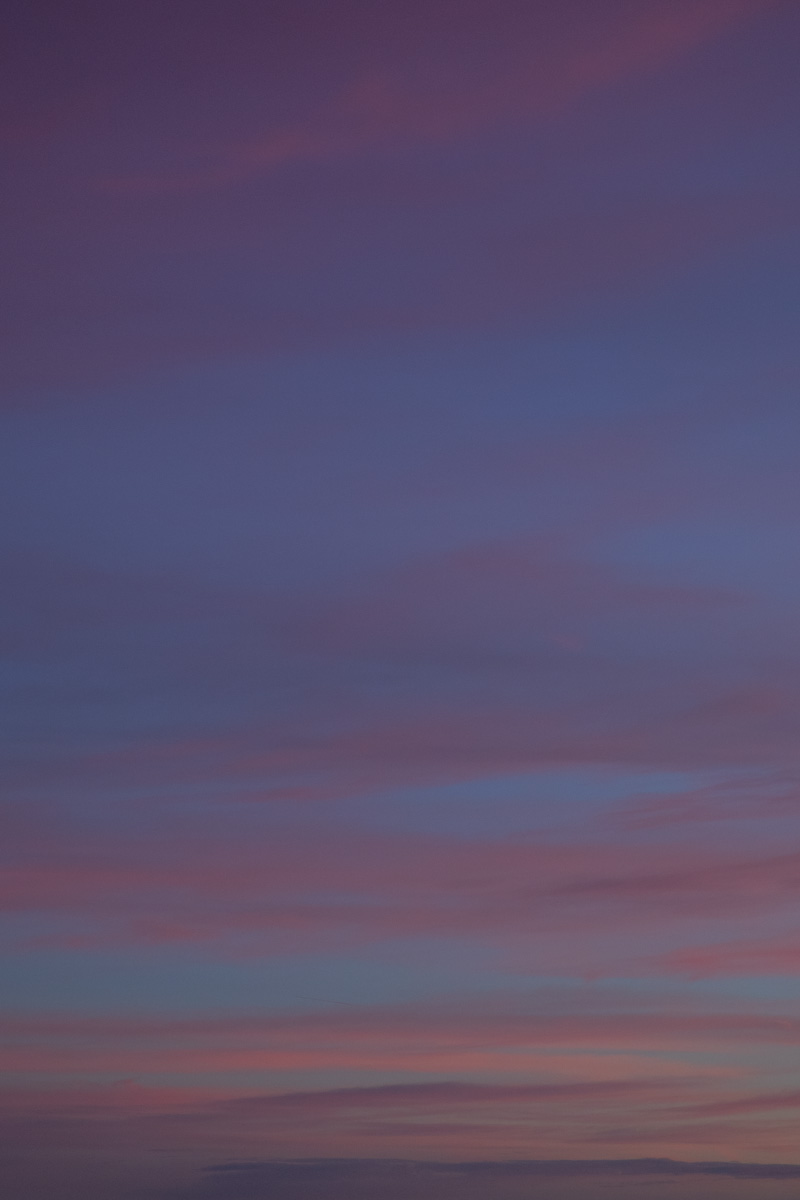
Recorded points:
(399, 645)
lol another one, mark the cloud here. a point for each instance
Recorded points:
(279, 892)
(767, 956)
(430, 99)
(409, 118)
(751, 796)
(576, 1048)
(409, 1119)
(250, 881)
(495, 659)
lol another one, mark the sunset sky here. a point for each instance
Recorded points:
(399, 594)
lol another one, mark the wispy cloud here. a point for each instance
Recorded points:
(427, 100)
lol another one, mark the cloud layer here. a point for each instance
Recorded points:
(399, 658)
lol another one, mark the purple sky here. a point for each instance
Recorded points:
(399, 644)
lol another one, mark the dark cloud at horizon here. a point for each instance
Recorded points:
(541, 1168)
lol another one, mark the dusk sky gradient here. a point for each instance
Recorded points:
(399, 593)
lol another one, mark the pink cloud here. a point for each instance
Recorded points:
(427, 99)
(595, 1047)
(767, 956)
(584, 1068)
(444, 1116)
(238, 887)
